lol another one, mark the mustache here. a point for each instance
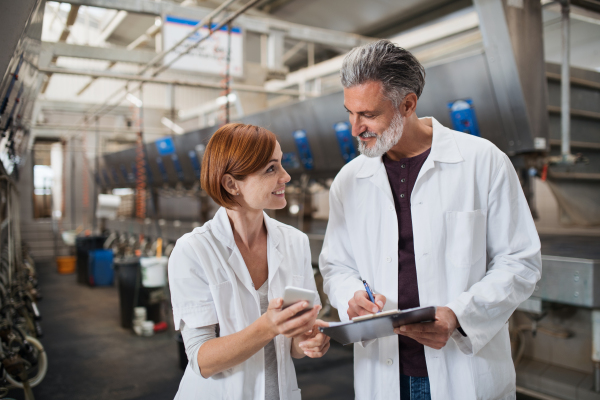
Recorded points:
(367, 134)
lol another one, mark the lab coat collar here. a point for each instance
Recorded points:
(274, 256)
(224, 233)
(443, 149)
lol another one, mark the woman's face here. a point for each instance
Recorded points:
(265, 189)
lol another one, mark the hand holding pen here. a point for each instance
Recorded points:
(364, 302)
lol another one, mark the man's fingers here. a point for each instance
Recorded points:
(434, 344)
(423, 335)
(365, 303)
(380, 300)
(420, 327)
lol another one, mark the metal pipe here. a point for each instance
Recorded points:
(198, 84)
(160, 56)
(596, 348)
(565, 83)
(208, 18)
(96, 174)
(597, 377)
(198, 26)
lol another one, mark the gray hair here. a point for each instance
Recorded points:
(397, 69)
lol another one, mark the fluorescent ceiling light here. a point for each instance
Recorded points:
(222, 100)
(172, 125)
(134, 100)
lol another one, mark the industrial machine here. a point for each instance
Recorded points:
(497, 87)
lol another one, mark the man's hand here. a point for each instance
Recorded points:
(360, 304)
(432, 334)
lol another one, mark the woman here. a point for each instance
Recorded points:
(227, 278)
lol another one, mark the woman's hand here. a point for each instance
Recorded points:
(292, 321)
(314, 343)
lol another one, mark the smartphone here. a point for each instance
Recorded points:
(293, 295)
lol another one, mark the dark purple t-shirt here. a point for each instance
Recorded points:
(402, 175)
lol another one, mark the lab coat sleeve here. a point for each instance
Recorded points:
(514, 267)
(190, 293)
(341, 278)
(309, 275)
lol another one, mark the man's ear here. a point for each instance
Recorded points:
(230, 184)
(408, 105)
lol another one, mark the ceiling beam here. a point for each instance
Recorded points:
(177, 82)
(248, 22)
(71, 18)
(149, 34)
(113, 54)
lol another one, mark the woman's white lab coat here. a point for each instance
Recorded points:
(210, 284)
(476, 251)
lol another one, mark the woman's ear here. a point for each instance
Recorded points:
(230, 185)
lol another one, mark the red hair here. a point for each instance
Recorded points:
(235, 149)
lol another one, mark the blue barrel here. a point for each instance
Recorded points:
(100, 267)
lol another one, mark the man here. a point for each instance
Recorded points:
(428, 217)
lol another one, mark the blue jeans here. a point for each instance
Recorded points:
(414, 388)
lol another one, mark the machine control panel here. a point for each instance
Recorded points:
(165, 146)
(304, 149)
(344, 137)
(134, 173)
(290, 161)
(195, 163)
(177, 165)
(161, 168)
(463, 117)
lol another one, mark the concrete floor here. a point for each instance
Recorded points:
(91, 357)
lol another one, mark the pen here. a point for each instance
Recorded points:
(369, 292)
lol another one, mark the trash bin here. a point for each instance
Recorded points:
(100, 267)
(83, 245)
(132, 294)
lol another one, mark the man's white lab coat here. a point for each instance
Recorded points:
(476, 251)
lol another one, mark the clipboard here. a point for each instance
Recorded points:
(374, 326)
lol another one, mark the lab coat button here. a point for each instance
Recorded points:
(389, 361)
(388, 259)
(391, 207)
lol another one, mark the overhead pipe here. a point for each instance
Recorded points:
(207, 19)
(565, 87)
(177, 82)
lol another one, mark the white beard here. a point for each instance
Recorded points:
(388, 139)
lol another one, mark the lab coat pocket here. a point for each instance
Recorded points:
(225, 305)
(465, 237)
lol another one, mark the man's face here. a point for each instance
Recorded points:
(375, 122)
